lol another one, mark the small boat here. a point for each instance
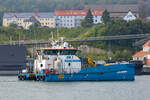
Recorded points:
(61, 63)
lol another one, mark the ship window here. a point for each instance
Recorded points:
(67, 52)
(50, 52)
(61, 52)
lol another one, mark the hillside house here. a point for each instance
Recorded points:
(143, 55)
(27, 19)
(116, 10)
(73, 18)
(129, 16)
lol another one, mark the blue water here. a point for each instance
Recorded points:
(12, 89)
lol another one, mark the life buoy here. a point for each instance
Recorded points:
(47, 71)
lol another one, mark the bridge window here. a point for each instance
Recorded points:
(67, 52)
(55, 52)
(50, 52)
(61, 52)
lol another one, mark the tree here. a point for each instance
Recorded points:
(88, 21)
(143, 14)
(106, 17)
(13, 25)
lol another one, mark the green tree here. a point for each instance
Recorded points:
(13, 25)
(106, 17)
(142, 14)
(88, 21)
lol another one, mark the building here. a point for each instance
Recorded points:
(27, 19)
(116, 11)
(73, 18)
(143, 55)
(129, 16)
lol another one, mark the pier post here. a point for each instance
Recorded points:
(109, 50)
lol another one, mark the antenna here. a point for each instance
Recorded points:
(52, 35)
(57, 34)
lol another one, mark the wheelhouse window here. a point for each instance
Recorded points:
(50, 52)
(60, 52)
(67, 52)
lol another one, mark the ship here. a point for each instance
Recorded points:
(60, 62)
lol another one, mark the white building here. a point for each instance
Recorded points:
(73, 18)
(27, 19)
(129, 16)
(143, 55)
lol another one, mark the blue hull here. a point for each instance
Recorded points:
(99, 73)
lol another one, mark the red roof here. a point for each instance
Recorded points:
(55, 49)
(147, 44)
(76, 12)
(141, 53)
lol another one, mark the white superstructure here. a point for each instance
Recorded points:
(60, 58)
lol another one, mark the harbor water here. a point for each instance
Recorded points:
(12, 89)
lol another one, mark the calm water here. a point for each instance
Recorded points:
(12, 89)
